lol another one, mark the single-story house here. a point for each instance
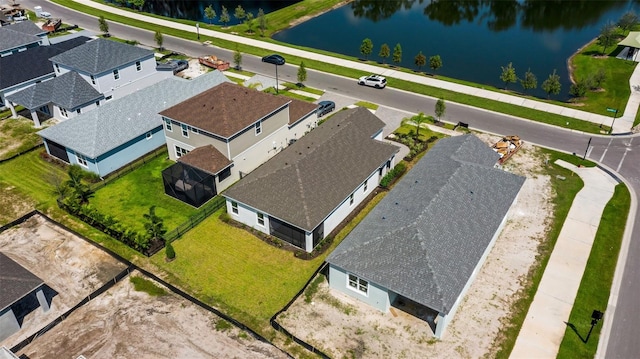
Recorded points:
(233, 130)
(120, 131)
(21, 36)
(15, 76)
(424, 243)
(22, 292)
(304, 192)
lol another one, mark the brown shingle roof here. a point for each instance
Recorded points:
(206, 158)
(299, 109)
(304, 183)
(225, 109)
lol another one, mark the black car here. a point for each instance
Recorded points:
(274, 59)
(325, 107)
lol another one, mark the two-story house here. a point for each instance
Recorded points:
(234, 129)
(108, 69)
(21, 36)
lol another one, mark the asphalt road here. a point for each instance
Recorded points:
(621, 154)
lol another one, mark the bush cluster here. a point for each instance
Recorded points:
(391, 176)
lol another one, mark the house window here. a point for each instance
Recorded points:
(149, 135)
(82, 160)
(388, 164)
(108, 98)
(116, 74)
(260, 219)
(57, 68)
(93, 80)
(63, 112)
(380, 171)
(185, 130)
(167, 125)
(364, 188)
(258, 127)
(180, 151)
(78, 111)
(193, 129)
(224, 174)
(234, 207)
(351, 200)
(97, 103)
(138, 66)
(358, 284)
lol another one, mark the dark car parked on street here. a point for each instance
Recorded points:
(274, 59)
(325, 107)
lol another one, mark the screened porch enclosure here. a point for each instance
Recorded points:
(189, 184)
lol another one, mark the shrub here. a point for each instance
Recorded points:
(224, 217)
(396, 172)
(169, 251)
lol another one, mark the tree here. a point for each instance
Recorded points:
(224, 16)
(103, 25)
(248, 20)
(262, 22)
(80, 191)
(153, 225)
(397, 54)
(239, 13)
(209, 13)
(121, 2)
(529, 82)
(302, 74)
(435, 62)
(384, 52)
(578, 89)
(597, 78)
(508, 75)
(169, 251)
(419, 119)
(441, 108)
(552, 84)
(366, 47)
(607, 36)
(420, 60)
(159, 40)
(237, 58)
(628, 20)
(137, 3)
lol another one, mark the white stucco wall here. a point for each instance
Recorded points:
(248, 216)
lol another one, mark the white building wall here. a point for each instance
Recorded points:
(248, 216)
(261, 152)
(301, 128)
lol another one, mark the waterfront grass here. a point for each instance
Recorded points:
(595, 285)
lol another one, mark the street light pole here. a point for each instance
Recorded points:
(614, 121)
(198, 29)
(276, 79)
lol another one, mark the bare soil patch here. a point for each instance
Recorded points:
(344, 327)
(125, 323)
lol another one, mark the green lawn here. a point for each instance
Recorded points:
(17, 135)
(129, 197)
(32, 177)
(598, 276)
(233, 270)
(618, 72)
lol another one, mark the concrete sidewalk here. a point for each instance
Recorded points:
(544, 326)
(622, 126)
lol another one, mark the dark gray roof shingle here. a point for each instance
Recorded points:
(15, 281)
(424, 239)
(14, 72)
(119, 121)
(305, 182)
(68, 91)
(100, 55)
(26, 27)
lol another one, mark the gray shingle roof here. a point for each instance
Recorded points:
(12, 39)
(68, 91)
(424, 239)
(15, 281)
(305, 182)
(14, 72)
(100, 55)
(122, 120)
(26, 27)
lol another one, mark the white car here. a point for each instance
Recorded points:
(376, 81)
(45, 15)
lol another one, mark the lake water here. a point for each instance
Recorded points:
(473, 38)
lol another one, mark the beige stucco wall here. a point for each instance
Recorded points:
(249, 138)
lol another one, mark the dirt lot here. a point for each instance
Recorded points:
(342, 327)
(120, 323)
(125, 323)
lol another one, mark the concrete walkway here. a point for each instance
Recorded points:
(544, 326)
(622, 126)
